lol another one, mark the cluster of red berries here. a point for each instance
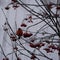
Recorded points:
(20, 33)
(48, 50)
(39, 45)
(23, 25)
(51, 48)
(29, 19)
(14, 3)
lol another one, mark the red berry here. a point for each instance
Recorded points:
(15, 48)
(56, 15)
(32, 40)
(59, 53)
(58, 48)
(15, 6)
(32, 45)
(58, 8)
(30, 17)
(23, 25)
(26, 19)
(30, 21)
(14, 0)
(47, 41)
(49, 6)
(19, 32)
(27, 34)
(39, 44)
(48, 50)
(42, 44)
(53, 47)
(7, 8)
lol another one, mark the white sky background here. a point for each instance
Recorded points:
(21, 13)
